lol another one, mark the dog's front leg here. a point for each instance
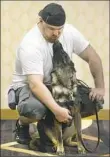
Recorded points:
(59, 146)
(77, 121)
(68, 134)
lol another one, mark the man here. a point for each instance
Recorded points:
(34, 65)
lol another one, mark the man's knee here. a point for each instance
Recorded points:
(29, 106)
(25, 120)
(30, 110)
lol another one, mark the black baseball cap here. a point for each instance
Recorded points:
(53, 14)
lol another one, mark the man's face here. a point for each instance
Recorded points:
(51, 33)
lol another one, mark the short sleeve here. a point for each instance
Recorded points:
(78, 40)
(31, 60)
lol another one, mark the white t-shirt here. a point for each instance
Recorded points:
(34, 54)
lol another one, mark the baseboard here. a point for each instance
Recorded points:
(7, 114)
(104, 114)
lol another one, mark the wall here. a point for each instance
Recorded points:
(90, 17)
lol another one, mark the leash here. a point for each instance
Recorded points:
(82, 141)
(97, 120)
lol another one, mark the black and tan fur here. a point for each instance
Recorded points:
(64, 91)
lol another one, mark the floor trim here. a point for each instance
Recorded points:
(7, 114)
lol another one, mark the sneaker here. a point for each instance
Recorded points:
(22, 133)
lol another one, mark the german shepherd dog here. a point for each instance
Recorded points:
(64, 91)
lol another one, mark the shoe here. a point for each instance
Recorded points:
(22, 135)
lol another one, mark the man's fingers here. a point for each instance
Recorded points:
(96, 93)
(69, 112)
(69, 117)
(99, 97)
(92, 96)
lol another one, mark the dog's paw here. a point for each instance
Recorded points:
(54, 148)
(32, 146)
(81, 150)
(60, 151)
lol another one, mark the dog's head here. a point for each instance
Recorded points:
(60, 56)
(63, 67)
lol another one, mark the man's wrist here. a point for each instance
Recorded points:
(55, 108)
(99, 84)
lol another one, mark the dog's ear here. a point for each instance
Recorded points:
(40, 19)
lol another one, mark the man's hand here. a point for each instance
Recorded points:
(63, 115)
(97, 93)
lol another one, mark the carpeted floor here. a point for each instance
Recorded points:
(9, 147)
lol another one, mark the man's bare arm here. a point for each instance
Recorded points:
(95, 65)
(44, 95)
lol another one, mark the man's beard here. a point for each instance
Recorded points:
(52, 40)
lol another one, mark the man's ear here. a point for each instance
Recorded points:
(40, 19)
